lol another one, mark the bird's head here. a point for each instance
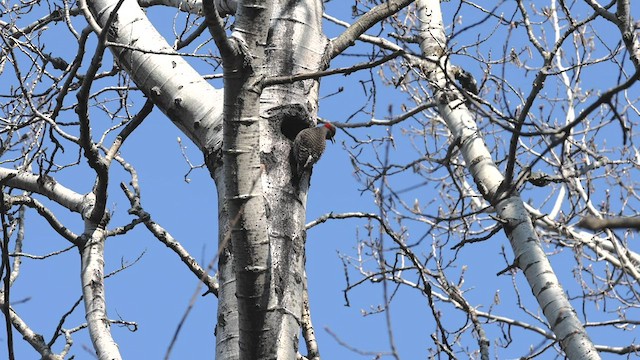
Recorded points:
(332, 131)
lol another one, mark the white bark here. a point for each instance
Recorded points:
(529, 255)
(93, 291)
(266, 218)
(175, 87)
(295, 26)
(45, 186)
(243, 59)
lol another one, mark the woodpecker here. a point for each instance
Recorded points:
(307, 148)
(466, 80)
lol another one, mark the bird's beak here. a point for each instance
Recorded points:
(333, 140)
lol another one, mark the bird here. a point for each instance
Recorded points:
(467, 81)
(307, 149)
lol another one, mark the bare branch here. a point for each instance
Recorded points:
(165, 237)
(375, 15)
(45, 213)
(317, 75)
(47, 186)
(307, 327)
(594, 223)
(216, 29)
(34, 339)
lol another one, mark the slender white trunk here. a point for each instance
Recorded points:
(95, 303)
(529, 255)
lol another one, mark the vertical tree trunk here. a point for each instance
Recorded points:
(296, 46)
(93, 292)
(227, 330)
(268, 240)
(243, 173)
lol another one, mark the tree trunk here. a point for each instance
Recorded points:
(243, 172)
(266, 213)
(93, 292)
(529, 255)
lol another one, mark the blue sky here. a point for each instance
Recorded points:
(156, 290)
